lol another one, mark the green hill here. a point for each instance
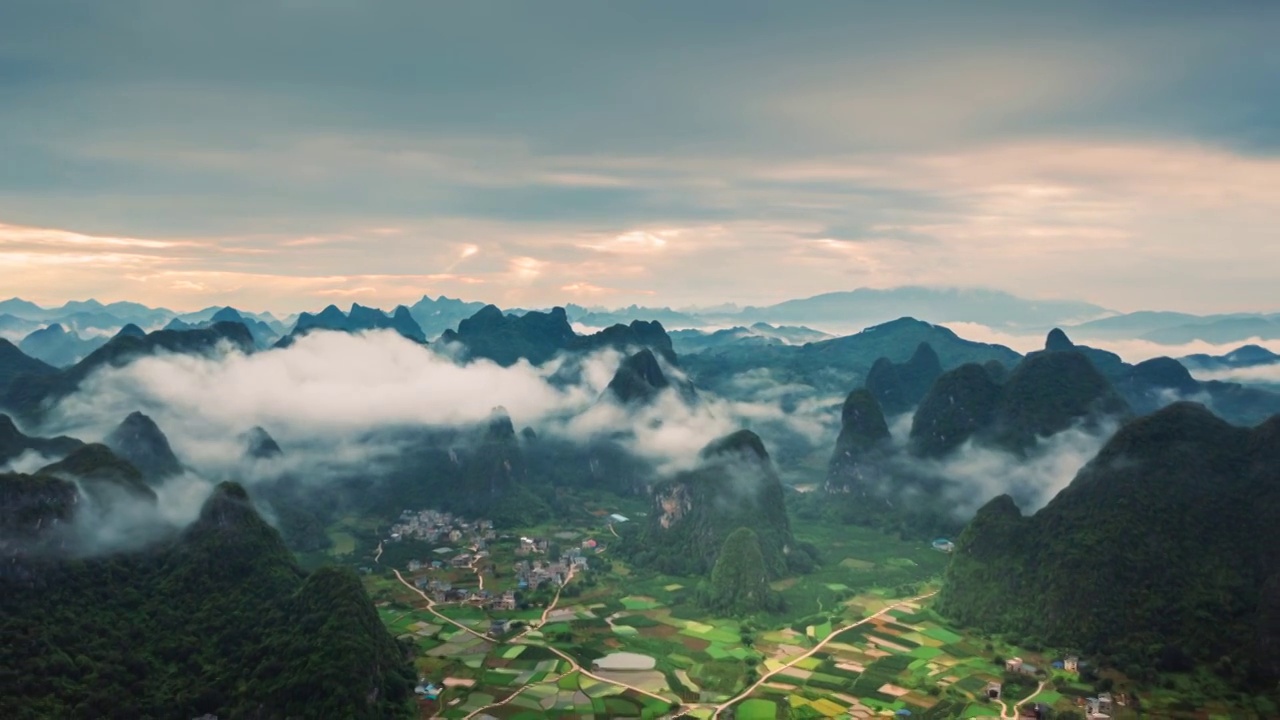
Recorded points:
(837, 364)
(140, 441)
(899, 387)
(219, 621)
(1163, 546)
(1152, 384)
(734, 486)
(861, 449)
(1046, 393)
(105, 477)
(961, 404)
(739, 583)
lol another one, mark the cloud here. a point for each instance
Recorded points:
(976, 474)
(585, 288)
(344, 405)
(28, 462)
(334, 388)
(1259, 374)
(641, 242)
(326, 384)
(1060, 156)
(1130, 350)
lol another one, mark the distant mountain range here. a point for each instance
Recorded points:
(264, 334)
(694, 341)
(842, 312)
(58, 347)
(1168, 328)
(29, 387)
(358, 319)
(867, 306)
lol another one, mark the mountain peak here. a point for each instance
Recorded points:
(487, 314)
(259, 444)
(925, 355)
(639, 378)
(131, 330)
(140, 441)
(102, 473)
(227, 314)
(227, 508)
(861, 417)
(1049, 392)
(863, 438)
(1000, 506)
(898, 387)
(961, 403)
(499, 425)
(742, 444)
(1057, 340)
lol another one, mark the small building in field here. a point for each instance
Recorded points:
(1071, 664)
(993, 690)
(618, 518)
(943, 545)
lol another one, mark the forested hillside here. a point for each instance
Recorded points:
(1163, 549)
(218, 621)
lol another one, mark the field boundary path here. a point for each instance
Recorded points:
(574, 665)
(815, 649)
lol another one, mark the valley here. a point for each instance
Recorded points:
(622, 531)
(580, 360)
(858, 638)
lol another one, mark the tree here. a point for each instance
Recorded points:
(739, 582)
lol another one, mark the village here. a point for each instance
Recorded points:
(473, 565)
(542, 619)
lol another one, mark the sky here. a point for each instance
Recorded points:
(284, 154)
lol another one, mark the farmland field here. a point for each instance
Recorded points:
(881, 652)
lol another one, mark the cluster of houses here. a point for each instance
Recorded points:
(443, 591)
(459, 561)
(1101, 707)
(530, 575)
(434, 526)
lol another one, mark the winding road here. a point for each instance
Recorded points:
(764, 678)
(1010, 712)
(519, 640)
(431, 607)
